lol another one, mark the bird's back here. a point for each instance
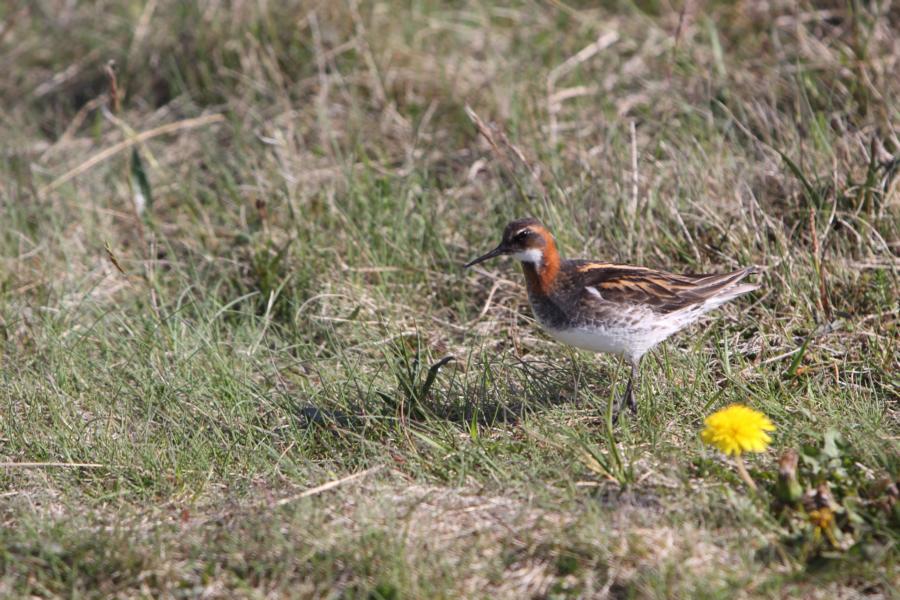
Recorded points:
(659, 291)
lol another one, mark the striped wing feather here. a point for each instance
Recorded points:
(663, 292)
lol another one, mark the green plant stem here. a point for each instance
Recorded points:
(745, 475)
(611, 437)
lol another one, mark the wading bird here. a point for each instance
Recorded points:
(605, 307)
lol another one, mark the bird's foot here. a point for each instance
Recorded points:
(615, 415)
(632, 403)
(618, 408)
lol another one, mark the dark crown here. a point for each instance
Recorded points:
(518, 225)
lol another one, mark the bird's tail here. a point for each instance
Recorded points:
(728, 287)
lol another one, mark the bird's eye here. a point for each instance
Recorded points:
(521, 235)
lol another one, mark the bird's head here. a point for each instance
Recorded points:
(524, 239)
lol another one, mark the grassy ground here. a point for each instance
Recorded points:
(226, 287)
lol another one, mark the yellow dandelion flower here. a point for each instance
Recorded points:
(737, 429)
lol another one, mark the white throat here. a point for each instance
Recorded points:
(532, 255)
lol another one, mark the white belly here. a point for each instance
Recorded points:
(629, 342)
(601, 339)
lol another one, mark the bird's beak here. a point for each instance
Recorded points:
(495, 252)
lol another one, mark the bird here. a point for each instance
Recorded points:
(610, 308)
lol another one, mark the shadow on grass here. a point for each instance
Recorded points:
(527, 387)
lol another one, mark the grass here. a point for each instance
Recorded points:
(222, 316)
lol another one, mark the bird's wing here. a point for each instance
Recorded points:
(605, 283)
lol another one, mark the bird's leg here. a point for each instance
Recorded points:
(633, 383)
(628, 396)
